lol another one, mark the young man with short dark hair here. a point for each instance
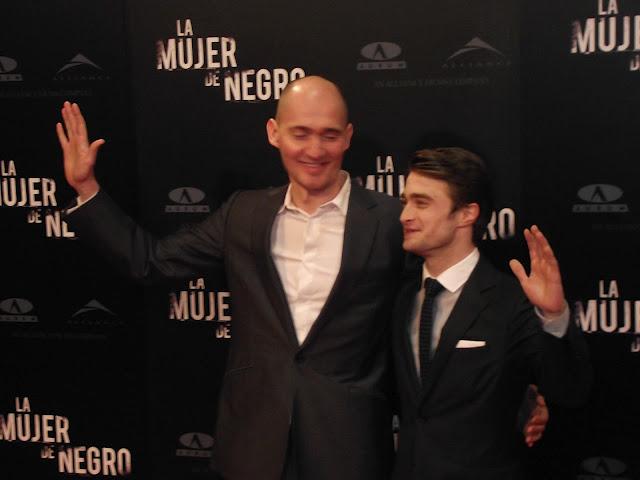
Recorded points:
(467, 342)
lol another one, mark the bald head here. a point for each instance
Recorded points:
(311, 90)
(312, 132)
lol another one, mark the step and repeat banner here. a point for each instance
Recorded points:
(102, 377)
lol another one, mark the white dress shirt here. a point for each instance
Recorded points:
(307, 251)
(453, 279)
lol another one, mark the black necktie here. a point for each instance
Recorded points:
(431, 288)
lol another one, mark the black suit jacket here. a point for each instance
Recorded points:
(330, 394)
(462, 423)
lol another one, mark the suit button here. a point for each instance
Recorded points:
(299, 358)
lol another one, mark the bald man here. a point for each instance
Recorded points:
(312, 266)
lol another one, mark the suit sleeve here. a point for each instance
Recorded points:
(135, 252)
(559, 366)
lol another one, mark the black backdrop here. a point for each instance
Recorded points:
(135, 370)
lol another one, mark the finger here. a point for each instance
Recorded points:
(518, 270)
(541, 401)
(68, 120)
(61, 136)
(536, 242)
(544, 245)
(540, 410)
(535, 430)
(536, 421)
(80, 126)
(546, 251)
(95, 146)
(531, 439)
(535, 417)
(531, 245)
(72, 119)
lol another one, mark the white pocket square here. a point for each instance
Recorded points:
(470, 343)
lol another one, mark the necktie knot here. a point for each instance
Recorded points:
(432, 287)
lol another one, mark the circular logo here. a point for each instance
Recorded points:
(381, 51)
(7, 64)
(600, 193)
(196, 440)
(604, 466)
(16, 306)
(186, 195)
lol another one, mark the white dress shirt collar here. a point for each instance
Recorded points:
(340, 201)
(454, 277)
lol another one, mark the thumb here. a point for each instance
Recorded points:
(95, 146)
(518, 270)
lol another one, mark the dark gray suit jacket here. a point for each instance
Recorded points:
(461, 423)
(330, 394)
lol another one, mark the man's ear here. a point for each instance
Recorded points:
(272, 132)
(348, 135)
(469, 213)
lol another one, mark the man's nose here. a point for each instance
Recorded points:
(315, 148)
(406, 214)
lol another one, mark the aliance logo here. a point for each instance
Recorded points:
(476, 53)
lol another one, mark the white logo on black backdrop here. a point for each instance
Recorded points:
(609, 314)
(36, 194)
(381, 56)
(195, 444)
(7, 66)
(187, 200)
(385, 179)
(52, 431)
(200, 304)
(608, 33)
(600, 198)
(502, 225)
(80, 68)
(603, 468)
(216, 56)
(476, 53)
(17, 310)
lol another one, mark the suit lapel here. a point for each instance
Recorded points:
(262, 224)
(359, 234)
(472, 301)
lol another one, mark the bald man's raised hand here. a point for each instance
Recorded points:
(79, 154)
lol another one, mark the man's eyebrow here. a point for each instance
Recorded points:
(418, 196)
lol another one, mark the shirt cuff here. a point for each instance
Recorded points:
(79, 203)
(557, 324)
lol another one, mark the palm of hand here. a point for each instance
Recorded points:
(543, 286)
(79, 154)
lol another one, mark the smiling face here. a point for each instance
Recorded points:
(431, 225)
(312, 133)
